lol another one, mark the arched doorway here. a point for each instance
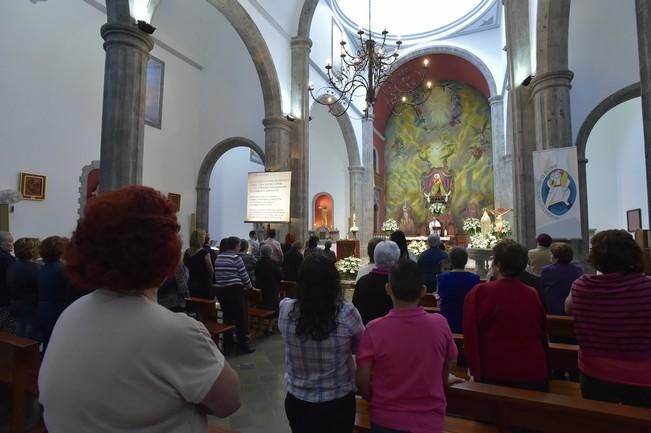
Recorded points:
(205, 172)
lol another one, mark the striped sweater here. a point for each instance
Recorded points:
(612, 315)
(230, 271)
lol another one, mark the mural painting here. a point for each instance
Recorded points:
(439, 152)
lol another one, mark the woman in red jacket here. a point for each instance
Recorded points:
(505, 341)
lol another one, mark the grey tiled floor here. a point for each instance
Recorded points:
(263, 389)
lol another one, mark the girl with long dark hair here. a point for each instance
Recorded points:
(321, 333)
(399, 237)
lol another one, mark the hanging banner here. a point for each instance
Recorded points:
(268, 197)
(556, 179)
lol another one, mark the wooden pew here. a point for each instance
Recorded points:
(561, 356)
(428, 300)
(206, 311)
(257, 316)
(452, 424)
(287, 289)
(20, 360)
(511, 408)
(560, 327)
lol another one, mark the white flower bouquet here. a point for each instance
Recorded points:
(437, 208)
(483, 240)
(417, 247)
(390, 225)
(348, 267)
(471, 226)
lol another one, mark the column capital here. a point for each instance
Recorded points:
(301, 42)
(582, 160)
(202, 188)
(548, 80)
(125, 34)
(496, 99)
(276, 123)
(356, 169)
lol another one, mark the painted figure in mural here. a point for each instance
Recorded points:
(438, 181)
(407, 224)
(559, 188)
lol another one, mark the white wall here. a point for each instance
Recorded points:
(228, 188)
(603, 53)
(50, 106)
(616, 173)
(51, 100)
(328, 169)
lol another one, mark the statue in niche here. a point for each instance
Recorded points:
(324, 216)
(439, 183)
(407, 223)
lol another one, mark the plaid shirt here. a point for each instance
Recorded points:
(319, 371)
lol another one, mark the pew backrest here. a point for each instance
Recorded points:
(512, 408)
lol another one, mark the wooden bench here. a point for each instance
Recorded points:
(561, 356)
(511, 408)
(428, 300)
(452, 424)
(206, 311)
(257, 316)
(20, 361)
(287, 289)
(560, 327)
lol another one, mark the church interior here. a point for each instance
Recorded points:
(472, 134)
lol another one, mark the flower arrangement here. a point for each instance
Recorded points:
(482, 240)
(437, 208)
(390, 225)
(417, 247)
(486, 239)
(471, 226)
(348, 267)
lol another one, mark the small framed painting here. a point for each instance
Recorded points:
(175, 199)
(634, 220)
(32, 186)
(154, 92)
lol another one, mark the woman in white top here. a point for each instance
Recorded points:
(117, 361)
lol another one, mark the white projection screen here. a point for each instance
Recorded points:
(267, 198)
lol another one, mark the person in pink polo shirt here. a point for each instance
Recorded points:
(404, 360)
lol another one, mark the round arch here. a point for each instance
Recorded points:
(453, 51)
(622, 95)
(346, 126)
(305, 21)
(205, 171)
(260, 54)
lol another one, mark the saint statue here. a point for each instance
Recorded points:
(324, 216)
(407, 224)
(499, 217)
(485, 223)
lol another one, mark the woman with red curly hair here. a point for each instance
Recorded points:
(118, 361)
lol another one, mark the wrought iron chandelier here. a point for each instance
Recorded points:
(367, 69)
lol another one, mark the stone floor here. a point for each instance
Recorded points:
(263, 389)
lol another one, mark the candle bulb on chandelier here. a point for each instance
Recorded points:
(426, 62)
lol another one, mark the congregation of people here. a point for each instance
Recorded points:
(123, 278)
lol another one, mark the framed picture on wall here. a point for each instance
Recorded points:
(154, 92)
(32, 186)
(176, 199)
(634, 220)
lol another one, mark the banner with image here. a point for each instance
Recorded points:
(556, 184)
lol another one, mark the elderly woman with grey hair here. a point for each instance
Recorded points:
(431, 261)
(370, 295)
(267, 278)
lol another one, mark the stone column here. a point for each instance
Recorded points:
(502, 166)
(551, 100)
(276, 138)
(277, 132)
(643, 11)
(203, 196)
(516, 13)
(123, 110)
(356, 174)
(367, 188)
(299, 147)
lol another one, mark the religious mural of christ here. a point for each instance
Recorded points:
(444, 150)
